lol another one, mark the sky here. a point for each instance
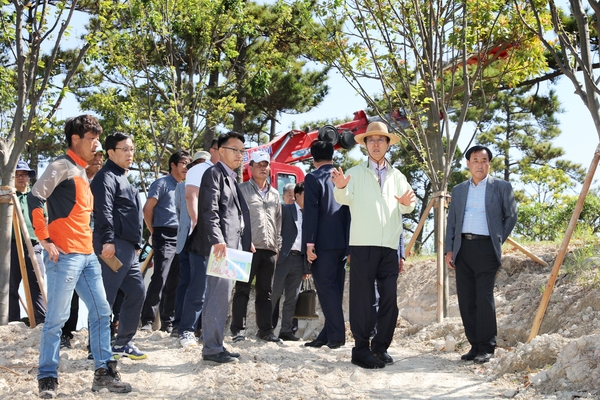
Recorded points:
(579, 138)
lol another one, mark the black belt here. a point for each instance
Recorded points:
(471, 236)
(295, 253)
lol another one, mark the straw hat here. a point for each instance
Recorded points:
(376, 128)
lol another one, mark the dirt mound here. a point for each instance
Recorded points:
(562, 362)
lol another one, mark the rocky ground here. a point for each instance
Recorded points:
(561, 363)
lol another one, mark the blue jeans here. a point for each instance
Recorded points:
(185, 276)
(194, 295)
(79, 272)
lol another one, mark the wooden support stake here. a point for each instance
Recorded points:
(526, 252)
(537, 322)
(25, 233)
(22, 266)
(442, 288)
(424, 217)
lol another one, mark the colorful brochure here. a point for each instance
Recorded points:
(235, 266)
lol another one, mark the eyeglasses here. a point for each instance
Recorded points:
(126, 149)
(22, 175)
(239, 152)
(185, 163)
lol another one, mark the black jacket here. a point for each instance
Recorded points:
(117, 207)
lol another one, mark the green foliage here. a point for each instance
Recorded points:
(429, 58)
(581, 264)
(175, 74)
(519, 127)
(546, 213)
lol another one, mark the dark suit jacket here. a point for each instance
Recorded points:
(500, 209)
(325, 223)
(221, 208)
(289, 231)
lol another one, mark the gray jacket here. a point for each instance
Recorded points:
(265, 216)
(500, 209)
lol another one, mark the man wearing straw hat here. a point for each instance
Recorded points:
(378, 195)
(22, 176)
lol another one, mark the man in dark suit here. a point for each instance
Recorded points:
(325, 233)
(291, 265)
(482, 214)
(223, 222)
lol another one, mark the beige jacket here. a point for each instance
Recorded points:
(265, 216)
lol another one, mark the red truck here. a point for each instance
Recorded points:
(294, 146)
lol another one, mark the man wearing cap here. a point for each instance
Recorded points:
(482, 214)
(377, 194)
(265, 221)
(192, 279)
(22, 176)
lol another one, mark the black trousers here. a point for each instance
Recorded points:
(165, 278)
(39, 307)
(329, 273)
(263, 267)
(370, 264)
(476, 267)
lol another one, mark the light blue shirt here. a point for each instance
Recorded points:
(475, 220)
(163, 190)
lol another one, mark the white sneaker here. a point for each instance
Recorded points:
(187, 339)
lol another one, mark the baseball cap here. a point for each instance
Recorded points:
(259, 156)
(23, 166)
(99, 148)
(201, 155)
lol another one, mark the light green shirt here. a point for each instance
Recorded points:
(376, 214)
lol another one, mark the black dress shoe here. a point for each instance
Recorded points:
(268, 337)
(288, 337)
(220, 358)
(384, 356)
(368, 362)
(470, 356)
(315, 343)
(482, 358)
(335, 344)
(230, 354)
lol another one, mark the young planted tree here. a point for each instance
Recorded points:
(573, 53)
(37, 70)
(427, 58)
